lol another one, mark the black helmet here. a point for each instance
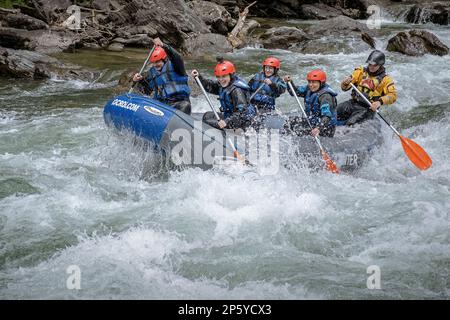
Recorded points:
(376, 57)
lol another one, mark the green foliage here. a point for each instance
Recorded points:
(9, 4)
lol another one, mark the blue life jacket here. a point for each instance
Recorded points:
(313, 108)
(167, 84)
(226, 103)
(266, 96)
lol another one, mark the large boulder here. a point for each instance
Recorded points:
(103, 5)
(319, 11)
(135, 40)
(137, 36)
(322, 11)
(338, 26)
(23, 64)
(283, 38)
(46, 10)
(340, 34)
(44, 41)
(22, 21)
(303, 9)
(16, 39)
(34, 65)
(204, 44)
(214, 15)
(437, 12)
(120, 22)
(173, 20)
(417, 43)
(125, 82)
(115, 46)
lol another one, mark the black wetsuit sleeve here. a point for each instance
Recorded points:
(211, 86)
(240, 102)
(176, 59)
(145, 85)
(289, 88)
(250, 83)
(299, 91)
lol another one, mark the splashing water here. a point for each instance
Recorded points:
(72, 192)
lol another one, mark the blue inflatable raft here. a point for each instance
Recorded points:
(186, 140)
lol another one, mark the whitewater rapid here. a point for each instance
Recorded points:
(74, 193)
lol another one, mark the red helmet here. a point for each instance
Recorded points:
(272, 62)
(317, 75)
(158, 54)
(223, 68)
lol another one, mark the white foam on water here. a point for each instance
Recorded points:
(138, 232)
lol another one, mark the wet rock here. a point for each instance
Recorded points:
(319, 11)
(417, 43)
(214, 15)
(103, 5)
(367, 38)
(340, 34)
(91, 45)
(125, 82)
(135, 40)
(203, 44)
(354, 13)
(21, 64)
(303, 9)
(16, 39)
(44, 41)
(337, 26)
(322, 11)
(151, 30)
(173, 20)
(22, 21)
(283, 38)
(115, 46)
(128, 22)
(35, 65)
(332, 45)
(46, 10)
(437, 12)
(53, 41)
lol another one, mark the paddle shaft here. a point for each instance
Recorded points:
(142, 69)
(254, 93)
(379, 114)
(207, 97)
(415, 153)
(214, 110)
(304, 113)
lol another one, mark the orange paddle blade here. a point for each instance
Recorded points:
(416, 154)
(330, 165)
(237, 155)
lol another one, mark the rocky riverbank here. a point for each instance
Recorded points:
(31, 30)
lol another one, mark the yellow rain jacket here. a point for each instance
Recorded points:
(376, 88)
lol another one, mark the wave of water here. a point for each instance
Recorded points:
(73, 192)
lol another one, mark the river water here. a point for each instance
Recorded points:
(73, 193)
